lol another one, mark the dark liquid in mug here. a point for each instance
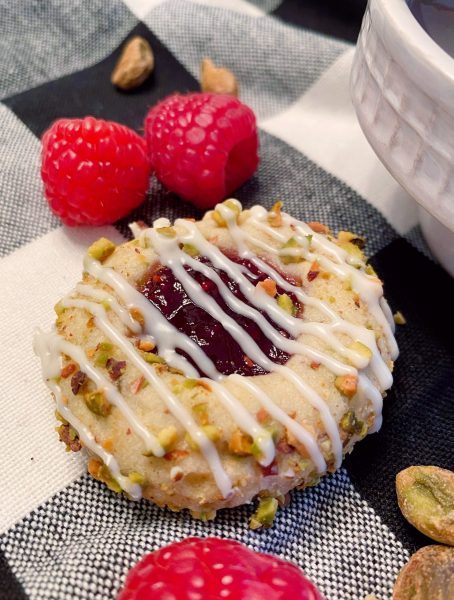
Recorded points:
(437, 18)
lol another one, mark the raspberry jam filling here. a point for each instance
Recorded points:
(168, 295)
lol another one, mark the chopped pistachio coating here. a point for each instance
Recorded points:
(347, 385)
(169, 232)
(98, 403)
(285, 302)
(370, 270)
(167, 437)
(219, 218)
(189, 383)
(101, 249)
(288, 258)
(265, 513)
(152, 358)
(212, 432)
(240, 443)
(348, 236)
(362, 349)
(353, 250)
(99, 471)
(191, 442)
(201, 412)
(190, 249)
(135, 477)
(101, 358)
(428, 575)
(59, 417)
(350, 424)
(426, 499)
(274, 214)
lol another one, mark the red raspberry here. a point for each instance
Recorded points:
(202, 146)
(94, 171)
(213, 569)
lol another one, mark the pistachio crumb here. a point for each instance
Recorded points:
(135, 477)
(274, 214)
(167, 437)
(347, 385)
(265, 513)
(101, 249)
(399, 318)
(98, 403)
(240, 443)
(287, 259)
(190, 249)
(285, 302)
(268, 286)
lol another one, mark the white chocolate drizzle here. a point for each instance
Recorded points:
(335, 260)
(48, 349)
(171, 401)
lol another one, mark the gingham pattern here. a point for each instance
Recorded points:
(63, 535)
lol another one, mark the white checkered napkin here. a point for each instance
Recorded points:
(63, 535)
(86, 538)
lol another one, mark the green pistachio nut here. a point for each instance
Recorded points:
(426, 499)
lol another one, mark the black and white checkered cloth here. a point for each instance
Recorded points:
(62, 534)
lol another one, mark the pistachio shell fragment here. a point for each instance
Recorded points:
(218, 80)
(135, 64)
(428, 575)
(399, 318)
(426, 499)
